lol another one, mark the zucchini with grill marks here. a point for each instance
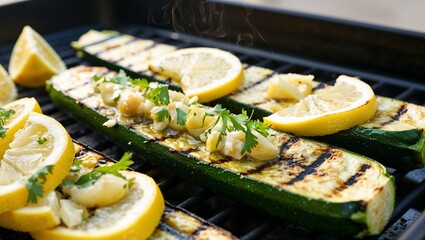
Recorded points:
(394, 136)
(176, 223)
(309, 183)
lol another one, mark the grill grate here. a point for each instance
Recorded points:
(242, 221)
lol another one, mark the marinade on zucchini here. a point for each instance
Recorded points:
(394, 136)
(176, 223)
(307, 182)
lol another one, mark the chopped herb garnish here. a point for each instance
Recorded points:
(142, 83)
(162, 114)
(121, 78)
(41, 140)
(241, 122)
(130, 182)
(193, 101)
(90, 178)
(76, 165)
(158, 95)
(4, 115)
(117, 97)
(181, 117)
(36, 183)
(97, 78)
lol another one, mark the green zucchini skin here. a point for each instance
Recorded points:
(347, 218)
(397, 149)
(169, 226)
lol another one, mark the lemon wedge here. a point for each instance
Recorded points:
(41, 143)
(8, 90)
(33, 61)
(34, 217)
(348, 103)
(16, 121)
(207, 73)
(135, 216)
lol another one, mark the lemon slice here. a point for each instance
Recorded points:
(34, 217)
(41, 142)
(8, 90)
(135, 216)
(33, 61)
(16, 121)
(207, 73)
(348, 103)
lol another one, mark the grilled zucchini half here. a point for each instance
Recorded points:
(310, 183)
(176, 223)
(394, 136)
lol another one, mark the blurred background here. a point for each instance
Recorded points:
(407, 15)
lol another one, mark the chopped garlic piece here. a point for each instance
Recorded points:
(233, 144)
(264, 150)
(290, 86)
(110, 123)
(110, 93)
(107, 190)
(71, 213)
(129, 102)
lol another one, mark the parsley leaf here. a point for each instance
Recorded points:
(41, 140)
(240, 122)
(97, 78)
(76, 165)
(142, 83)
(181, 117)
(259, 126)
(250, 142)
(121, 78)
(90, 178)
(36, 183)
(162, 113)
(158, 95)
(223, 115)
(122, 164)
(4, 115)
(250, 139)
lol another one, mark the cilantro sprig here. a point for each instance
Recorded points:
(121, 78)
(158, 95)
(88, 179)
(162, 114)
(4, 115)
(240, 122)
(36, 183)
(181, 117)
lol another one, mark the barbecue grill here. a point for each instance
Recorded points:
(391, 61)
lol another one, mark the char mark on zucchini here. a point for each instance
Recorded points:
(411, 155)
(259, 81)
(312, 168)
(266, 188)
(288, 160)
(353, 179)
(176, 223)
(251, 98)
(400, 112)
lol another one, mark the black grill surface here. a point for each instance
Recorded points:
(408, 220)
